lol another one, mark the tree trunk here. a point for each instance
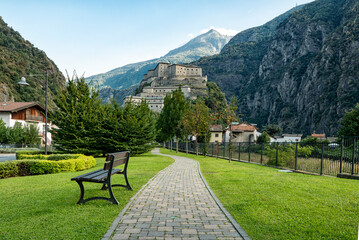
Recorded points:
(196, 147)
(171, 145)
(176, 145)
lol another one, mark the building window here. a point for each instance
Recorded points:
(216, 135)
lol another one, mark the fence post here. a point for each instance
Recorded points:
(224, 150)
(276, 155)
(262, 154)
(239, 151)
(341, 155)
(296, 156)
(249, 151)
(322, 160)
(353, 155)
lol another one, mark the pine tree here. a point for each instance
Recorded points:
(78, 117)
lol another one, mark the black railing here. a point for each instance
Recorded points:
(319, 158)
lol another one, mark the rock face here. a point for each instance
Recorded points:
(124, 77)
(303, 76)
(19, 57)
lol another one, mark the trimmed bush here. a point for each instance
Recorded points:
(42, 165)
(20, 154)
(8, 169)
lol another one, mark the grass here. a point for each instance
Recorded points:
(44, 206)
(272, 205)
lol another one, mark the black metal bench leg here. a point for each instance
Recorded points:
(112, 197)
(81, 200)
(128, 184)
(104, 186)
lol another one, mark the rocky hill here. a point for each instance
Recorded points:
(303, 76)
(19, 57)
(124, 77)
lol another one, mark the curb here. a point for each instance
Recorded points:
(234, 223)
(115, 223)
(238, 228)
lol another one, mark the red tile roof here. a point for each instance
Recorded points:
(318, 135)
(243, 127)
(17, 106)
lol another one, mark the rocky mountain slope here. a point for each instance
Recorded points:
(19, 57)
(303, 76)
(123, 77)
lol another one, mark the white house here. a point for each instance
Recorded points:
(288, 138)
(25, 113)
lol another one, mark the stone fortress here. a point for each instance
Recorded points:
(166, 78)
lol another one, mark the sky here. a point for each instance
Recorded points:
(93, 36)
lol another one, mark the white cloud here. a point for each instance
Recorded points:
(223, 31)
(190, 35)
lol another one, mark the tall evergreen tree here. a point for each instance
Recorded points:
(78, 117)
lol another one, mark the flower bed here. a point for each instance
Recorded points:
(28, 164)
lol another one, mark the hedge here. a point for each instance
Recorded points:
(27, 167)
(20, 153)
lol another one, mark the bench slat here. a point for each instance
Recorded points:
(86, 174)
(95, 176)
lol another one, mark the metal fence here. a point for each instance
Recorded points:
(319, 158)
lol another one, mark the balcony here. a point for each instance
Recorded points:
(29, 117)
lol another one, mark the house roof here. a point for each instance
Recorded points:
(18, 106)
(215, 128)
(315, 135)
(243, 127)
(292, 135)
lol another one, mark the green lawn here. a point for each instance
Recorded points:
(272, 205)
(44, 206)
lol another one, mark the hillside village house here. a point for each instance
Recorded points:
(25, 113)
(241, 132)
(216, 133)
(287, 138)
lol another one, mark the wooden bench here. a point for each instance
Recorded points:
(104, 176)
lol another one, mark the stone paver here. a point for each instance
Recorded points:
(175, 205)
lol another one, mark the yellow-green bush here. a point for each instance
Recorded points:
(26, 167)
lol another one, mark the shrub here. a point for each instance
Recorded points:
(22, 153)
(43, 165)
(8, 169)
(286, 154)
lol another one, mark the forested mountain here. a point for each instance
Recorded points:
(19, 57)
(124, 77)
(303, 76)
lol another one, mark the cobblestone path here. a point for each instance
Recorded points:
(175, 205)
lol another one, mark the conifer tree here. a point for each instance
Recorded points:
(78, 117)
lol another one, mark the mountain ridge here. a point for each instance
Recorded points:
(302, 77)
(18, 58)
(129, 75)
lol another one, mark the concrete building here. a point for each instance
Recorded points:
(166, 78)
(216, 133)
(288, 138)
(243, 132)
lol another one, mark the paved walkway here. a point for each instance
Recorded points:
(175, 205)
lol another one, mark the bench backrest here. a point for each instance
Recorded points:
(116, 159)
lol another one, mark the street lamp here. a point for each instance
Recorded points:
(24, 83)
